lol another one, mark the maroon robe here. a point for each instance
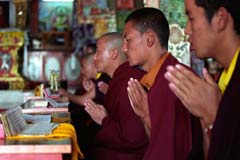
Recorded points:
(170, 121)
(122, 135)
(225, 137)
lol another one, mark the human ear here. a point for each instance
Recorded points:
(221, 19)
(150, 38)
(114, 53)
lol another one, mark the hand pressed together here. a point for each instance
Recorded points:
(200, 96)
(96, 111)
(88, 84)
(103, 87)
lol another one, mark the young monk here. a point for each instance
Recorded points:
(214, 31)
(167, 122)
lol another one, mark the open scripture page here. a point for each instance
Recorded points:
(14, 124)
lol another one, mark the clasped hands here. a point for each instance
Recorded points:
(89, 85)
(96, 111)
(138, 98)
(200, 96)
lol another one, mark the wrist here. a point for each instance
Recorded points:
(207, 128)
(145, 118)
(208, 120)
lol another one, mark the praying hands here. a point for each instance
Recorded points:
(138, 99)
(200, 96)
(96, 111)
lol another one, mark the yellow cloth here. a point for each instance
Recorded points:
(149, 78)
(62, 131)
(227, 73)
(38, 91)
(98, 75)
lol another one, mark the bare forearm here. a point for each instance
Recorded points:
(206, 140)
(147, 125)
(80, 99)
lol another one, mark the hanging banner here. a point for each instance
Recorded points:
(10, 42)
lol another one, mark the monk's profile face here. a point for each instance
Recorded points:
(201, 32)
(101, 58)
(134, 45)
(88, 68)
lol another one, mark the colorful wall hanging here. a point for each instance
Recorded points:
(10, 42)
(54, 15)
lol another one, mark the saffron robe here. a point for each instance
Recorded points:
(122, 135)
(170, 137)
(225, 137)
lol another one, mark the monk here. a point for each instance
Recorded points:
(85, 127)
(166, 120)
(122, 135)
(213, 31)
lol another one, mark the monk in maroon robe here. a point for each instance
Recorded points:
(167, 122)
(122, 135)
(171, 122)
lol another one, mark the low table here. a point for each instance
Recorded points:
(30, 149)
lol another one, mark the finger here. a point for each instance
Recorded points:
(90, 112)
(184, 74)
(135, 95)
(173, 75)
(103, 85)
(91, 108)
(133, 91)
(135, 86)
(140, 88)
(94, 106)
(100, 84)
(102, 108)
(208, 77)
(131, 102)
(85, 85)
(181, 95)
(130, 88)
(129, 94)
(89, 103)
(174, 81)
(90, 83)
(88, 108)
(180, 77)
(187, 75)
(84, 81)
(131, 98)
(138, 93)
